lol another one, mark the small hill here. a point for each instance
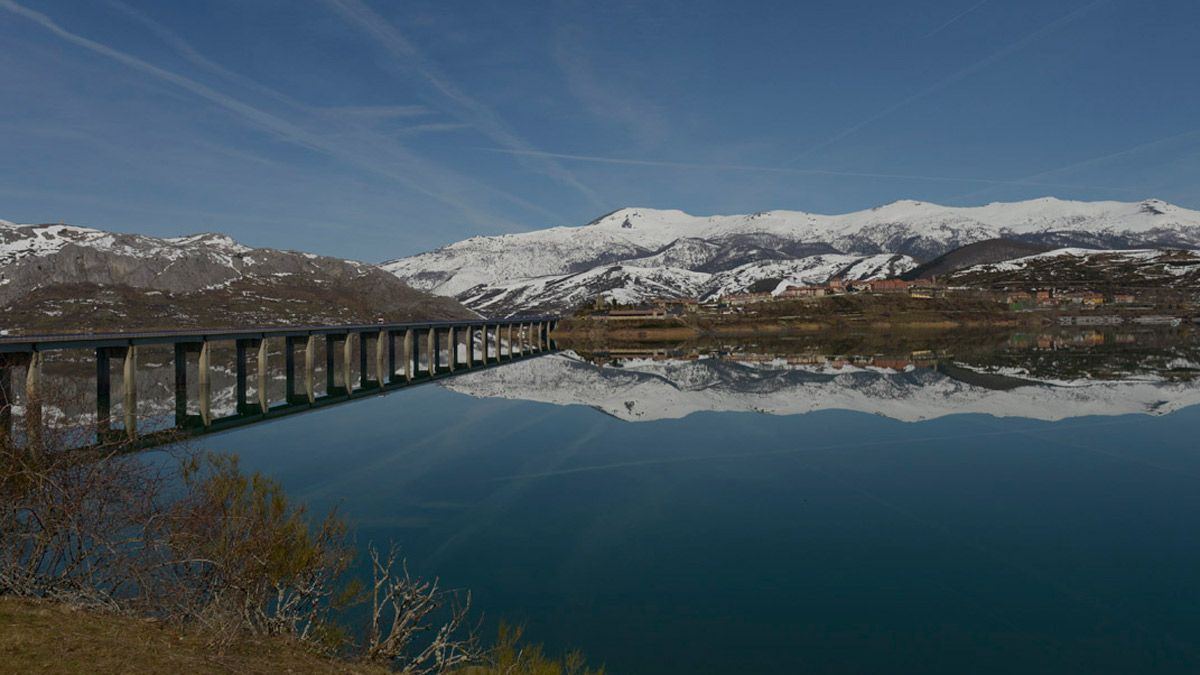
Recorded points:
(979, 253)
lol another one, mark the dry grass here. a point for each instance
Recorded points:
(44, 637)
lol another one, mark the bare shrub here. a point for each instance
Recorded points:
(75, 526)
(403, 609)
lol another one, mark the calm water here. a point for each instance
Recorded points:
(832, 540)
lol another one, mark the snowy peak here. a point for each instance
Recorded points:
(209, 239)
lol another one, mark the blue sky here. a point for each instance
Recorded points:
(372, 129)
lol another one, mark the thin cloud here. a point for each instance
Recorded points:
(601, 98)
(954, 19)
(380, 111)
(957, 76)
(433, 127)
(461, 104)
(754, 168)
(1161, 143)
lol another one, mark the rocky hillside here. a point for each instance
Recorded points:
(63, 278)
(642, 252)
(1097, 270)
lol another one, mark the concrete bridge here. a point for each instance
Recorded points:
(389, 356)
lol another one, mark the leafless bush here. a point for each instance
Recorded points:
(74, 526)
(402, 612)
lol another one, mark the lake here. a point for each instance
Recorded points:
(746, 510)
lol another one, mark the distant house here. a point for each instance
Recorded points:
(748, 298)
(804, 292)
(677, 306)
(1085, 298)
(1124, 298)
(634, 314)
(888, 286)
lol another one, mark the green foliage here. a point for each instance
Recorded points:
(253, 558)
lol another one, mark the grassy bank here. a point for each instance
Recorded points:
(42, 636)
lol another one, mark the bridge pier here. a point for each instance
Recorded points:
(381, 340)
(129, 380)
(32, 362)
(33, 400)
(205, 377)
(431, 359)
(348, 363)
(264, 398)
(410, 356)
(239, 368)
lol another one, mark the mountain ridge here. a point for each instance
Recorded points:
(479, 269)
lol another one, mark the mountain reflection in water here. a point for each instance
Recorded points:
(1047, 376)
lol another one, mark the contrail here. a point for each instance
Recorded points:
(278, 126)
(789, 170)
(955, 19)
(466, 107)
(954, 77)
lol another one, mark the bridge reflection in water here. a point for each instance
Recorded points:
(353, 361)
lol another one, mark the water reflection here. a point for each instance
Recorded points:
(1050, 375)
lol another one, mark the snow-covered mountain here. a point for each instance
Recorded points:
(646, 390)
(520, 266)
(66, 277)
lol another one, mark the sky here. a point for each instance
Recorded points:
(372, 130)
